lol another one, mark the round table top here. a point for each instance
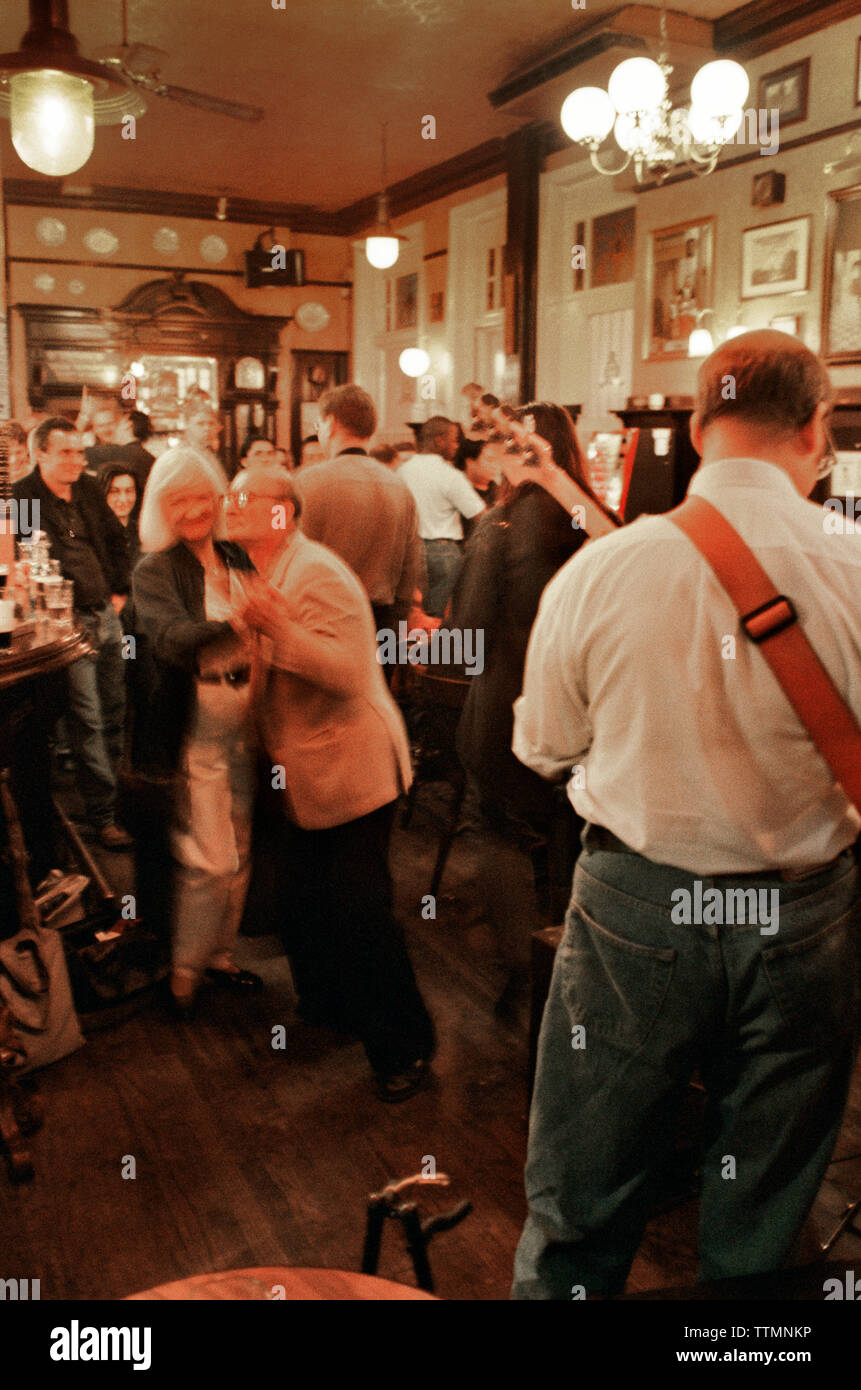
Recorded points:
(277, 1282)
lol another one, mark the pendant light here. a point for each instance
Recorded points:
(382, 245)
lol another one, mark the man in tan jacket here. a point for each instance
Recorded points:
(339, 760)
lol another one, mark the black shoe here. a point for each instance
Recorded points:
(243, 980)
(403, 1084)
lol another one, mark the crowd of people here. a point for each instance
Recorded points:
(256, 699)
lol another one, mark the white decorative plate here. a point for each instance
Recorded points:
(76, 287)
(101, 242)
(312, 316)
(166, 240)
(213, 249)
(45, 283)
(51, 231)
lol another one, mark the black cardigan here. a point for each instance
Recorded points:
(106, 535)
(167, 617)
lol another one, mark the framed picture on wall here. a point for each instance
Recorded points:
(775, 259)
(841, 300)
(787, 323)
(613, 248)
(680, 286)
(786, 90)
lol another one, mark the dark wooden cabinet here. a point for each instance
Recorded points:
(168, 320)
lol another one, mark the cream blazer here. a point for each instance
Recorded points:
(326, 719)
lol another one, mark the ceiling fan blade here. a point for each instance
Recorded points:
(218, 105)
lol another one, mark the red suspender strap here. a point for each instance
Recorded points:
(769, 619)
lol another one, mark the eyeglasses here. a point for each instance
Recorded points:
(241, 499)
(828, 461)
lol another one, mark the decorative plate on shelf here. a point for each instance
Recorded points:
(45, 283)
(213, 249)
(51, 231)
(166, 240)
(76, 287)
(312, 316)
(101, 241)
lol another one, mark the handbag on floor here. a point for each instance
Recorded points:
(35, 994)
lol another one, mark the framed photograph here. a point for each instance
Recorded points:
(579, 240)
(613, 248)
(680, 285)
(841, 300)
(407, 301)
(437, 306)
(775, 259)
(787, 323)
(769, 188)
(786, 90)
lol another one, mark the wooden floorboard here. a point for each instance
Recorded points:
(249, 1156)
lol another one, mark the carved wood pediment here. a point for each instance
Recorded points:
(175, 296)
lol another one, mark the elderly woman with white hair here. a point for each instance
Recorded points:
(194, 719)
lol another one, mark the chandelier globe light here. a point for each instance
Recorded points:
(414, 362)
(653, 134)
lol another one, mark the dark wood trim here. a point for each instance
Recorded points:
(764, 25)
(858, 73)
(299, 217)
(836, 197)
(432, 255)
(804, 64)
(124, 265)
(524, 164)
(814, 138)
(482, 162)
(560, 63)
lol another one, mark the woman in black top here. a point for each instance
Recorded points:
(513, 553)
(120, 487)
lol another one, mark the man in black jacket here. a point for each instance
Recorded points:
(88, 541)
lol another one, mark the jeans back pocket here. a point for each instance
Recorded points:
(614, 987)
(815, 983)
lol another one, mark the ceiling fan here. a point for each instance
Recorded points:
(119, 75)
(140, 64)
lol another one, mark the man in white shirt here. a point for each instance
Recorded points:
(695, 774)
(443, 497)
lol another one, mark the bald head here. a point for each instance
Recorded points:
(764, 395)
(768, 379)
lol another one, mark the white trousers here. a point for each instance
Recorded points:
(212, 840)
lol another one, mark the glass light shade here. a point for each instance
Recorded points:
(700, 343)
(587, 115)
(720, 88)
(709, 129)
(52, 120)
(382, 251)
(635, 134)
(637, 84)
(413, 361)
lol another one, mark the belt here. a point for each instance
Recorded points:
(240, 676)
(442, 540)
(597, 837)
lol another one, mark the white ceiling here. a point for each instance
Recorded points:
(327, 72)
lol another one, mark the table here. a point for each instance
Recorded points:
(305, 1285)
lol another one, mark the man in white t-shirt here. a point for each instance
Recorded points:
(443, 497)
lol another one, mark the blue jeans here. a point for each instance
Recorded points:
(444, 559)
(96, 714)
(636, 1003)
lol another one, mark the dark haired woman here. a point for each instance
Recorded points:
(513, 553)
(120, 486)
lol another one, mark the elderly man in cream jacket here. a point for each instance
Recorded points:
(337, 754)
